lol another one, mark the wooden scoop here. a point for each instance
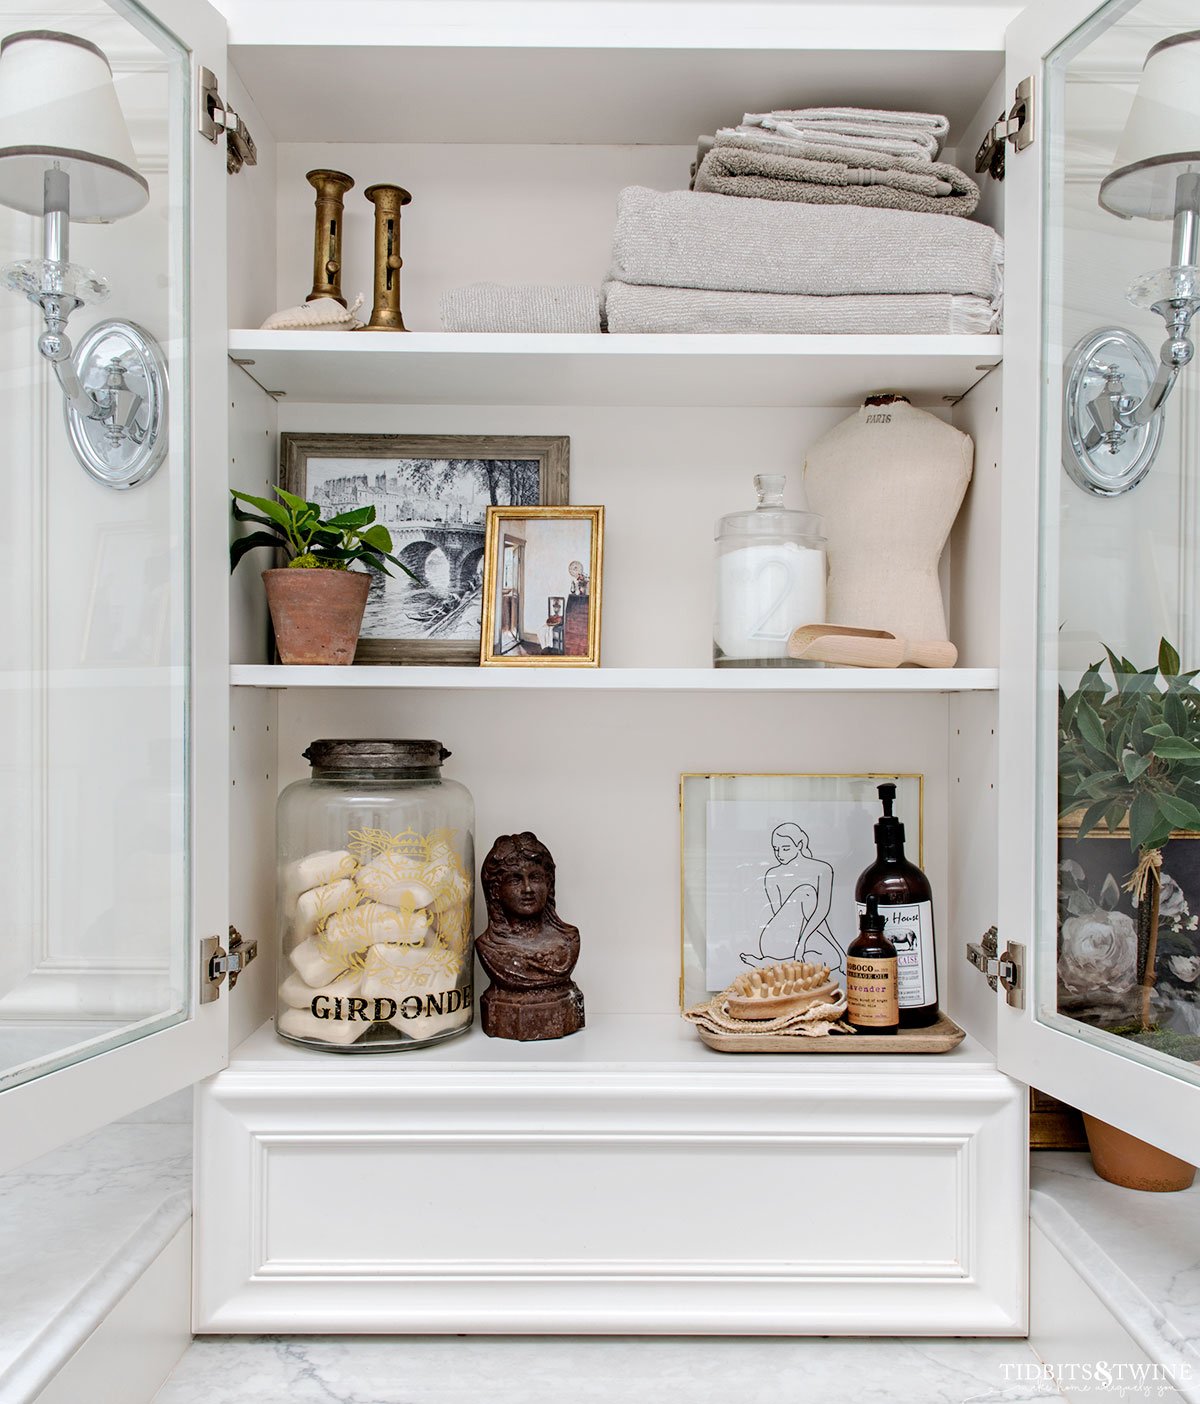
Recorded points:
(868, 648)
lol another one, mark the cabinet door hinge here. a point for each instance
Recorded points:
(1017, 128)
(216, 962)
(215, 117)
(1007, 969)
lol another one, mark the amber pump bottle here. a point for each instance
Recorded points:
(906, 900)
(872, 1004)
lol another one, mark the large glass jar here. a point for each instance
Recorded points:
(770, 580)
(375, 896)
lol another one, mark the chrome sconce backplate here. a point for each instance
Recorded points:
(1108, 372)
(118, 426)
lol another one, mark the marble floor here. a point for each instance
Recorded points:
(556, 1370)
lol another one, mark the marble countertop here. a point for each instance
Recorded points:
(77, 1228)
(1139, 1252)
(573, 1370)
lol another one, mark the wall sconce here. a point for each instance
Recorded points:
(65, 154)
(1116, 390)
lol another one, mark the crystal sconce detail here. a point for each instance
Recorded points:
(65, 154)
(1116, 390)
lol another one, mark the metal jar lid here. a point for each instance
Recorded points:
(327, 755)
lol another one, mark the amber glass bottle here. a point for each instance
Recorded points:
(872, 1004)
(906, 901)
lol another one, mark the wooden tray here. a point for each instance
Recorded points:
(939, 1037)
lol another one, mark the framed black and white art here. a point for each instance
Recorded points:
(770, 864)
(432, 492)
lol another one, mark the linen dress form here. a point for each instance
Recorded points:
(889, 482)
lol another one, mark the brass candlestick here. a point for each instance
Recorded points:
(327, 238)
(388, 200)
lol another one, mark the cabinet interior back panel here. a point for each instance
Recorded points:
(664, 477)
(505, 214)
(596, 777)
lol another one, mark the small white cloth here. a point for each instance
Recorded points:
(321, 314)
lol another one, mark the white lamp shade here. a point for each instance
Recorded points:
(58, 108)
(1161, 140)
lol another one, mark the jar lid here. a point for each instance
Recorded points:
(375, 755)
(771, 517)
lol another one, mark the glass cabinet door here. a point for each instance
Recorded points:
(102, 663)
(1102, 708)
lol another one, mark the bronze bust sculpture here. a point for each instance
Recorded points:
(527, 950)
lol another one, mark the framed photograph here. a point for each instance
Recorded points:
(432, 492)
(769, 866)
(542, 587)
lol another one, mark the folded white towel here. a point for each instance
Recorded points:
(920, 134)
(633, 308)
(682, 239)
(525, 307)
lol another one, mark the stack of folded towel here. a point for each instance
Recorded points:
(696, 262)
(839, 225)
(837, 156)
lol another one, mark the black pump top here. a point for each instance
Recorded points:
(870, 919)
(889, 831)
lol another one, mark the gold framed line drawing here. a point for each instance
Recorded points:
(432, 492)
(768, 865)
(542, 587)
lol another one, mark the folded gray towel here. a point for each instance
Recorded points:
(820, 175)
(525, 307)
(631, 308)
(919, 134)
(681, 239)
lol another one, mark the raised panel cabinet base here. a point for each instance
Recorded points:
(624, 1181)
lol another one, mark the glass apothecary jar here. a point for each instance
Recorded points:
(770, 579)
(375, 897)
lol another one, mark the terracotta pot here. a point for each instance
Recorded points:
(316, 613)
(1124, 1160)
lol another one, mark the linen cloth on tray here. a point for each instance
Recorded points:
(640, 308)
(919, 134)
(686, 239)
(743, 164)
(523, 307)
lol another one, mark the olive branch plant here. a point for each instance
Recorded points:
(1129, 753)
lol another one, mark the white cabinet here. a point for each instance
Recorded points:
(625, 1180)
(645, 1183)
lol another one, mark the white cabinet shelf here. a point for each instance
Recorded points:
(817, 680)
(438, 368)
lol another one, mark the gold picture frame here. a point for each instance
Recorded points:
(570, 636)
(693, 799)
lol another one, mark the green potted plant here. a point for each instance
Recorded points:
(1129, 758)
(317, 600)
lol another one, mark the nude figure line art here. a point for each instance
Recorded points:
(799, 889)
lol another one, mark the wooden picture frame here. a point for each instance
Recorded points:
(430, 478)
(514, 635)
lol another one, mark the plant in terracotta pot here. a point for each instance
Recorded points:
(317, 600)
(1128, 759)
